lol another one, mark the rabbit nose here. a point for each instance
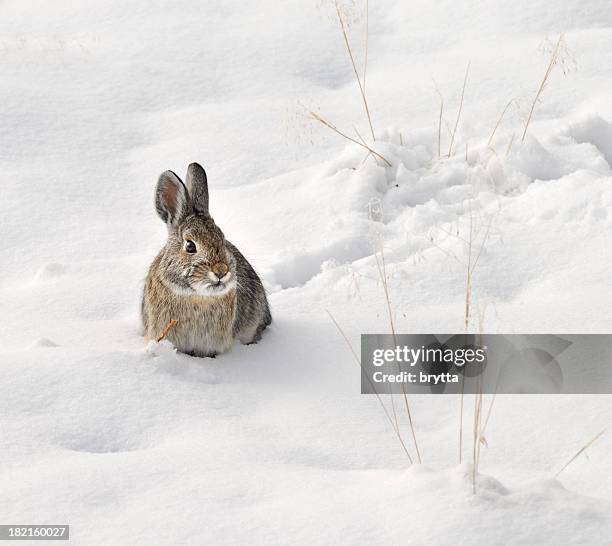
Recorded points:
(220, 269)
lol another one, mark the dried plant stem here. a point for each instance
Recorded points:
(474, 253)
(440, 123)
(581, 450)
(554, 57)
(361, 139)
(468, 297)
(466, 323)
(461, 419)
(478, 419)
(331, 126)
(479, 438)
(468, 287)
(167, 329)
(358, 361)
(350, 53)
(448, 128)
(510, 144)
(476, 438)
(450, 148)
(383, 275)
(474, 445)
(484, 427)
(440, 127)
(367, 39)
(501, 117)
(493, 398)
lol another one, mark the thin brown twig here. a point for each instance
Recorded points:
(484, 427)
(484, 240)
(581, 450)
(509, 147)
(358, 360)
(466, 320)
(450, 148)
(451, 234)
(448, 128)
(478, 417)
(391, 392)
(554, 57)
(359, 136)
(383, 274)
(468, 288)
(364, 142)
(167, 329)
(331, 126)
(477, 435)
(461, 418)
(436, 245)
(494, 397)
(350, 53)
(440, 123)
(499, 120)
(367, 39)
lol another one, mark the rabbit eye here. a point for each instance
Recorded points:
(190, 247)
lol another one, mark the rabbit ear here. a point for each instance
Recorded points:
(197, 184)
(171, 198)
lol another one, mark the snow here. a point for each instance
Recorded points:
(131, 443)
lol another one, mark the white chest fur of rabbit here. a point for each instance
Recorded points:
(199, 278)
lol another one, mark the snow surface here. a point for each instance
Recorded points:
(135, 444)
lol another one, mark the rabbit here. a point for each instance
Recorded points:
(200, 279)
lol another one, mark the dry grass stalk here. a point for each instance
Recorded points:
(352, 58)
(461, 419)
(466, 322)
(361, 139)
(440, 122)
(329, 125)
(471, 267)
(167, 329)
(478, 398)
(358, 361)
(472, 263)
(468, 287)
(484, 240)
(450, 148)
(554, 59)
(510, 144)
(501, 117)
(581, 450)
(383, 275)
(367, 39)
(481, 317)
(478, 431)
(484, 427)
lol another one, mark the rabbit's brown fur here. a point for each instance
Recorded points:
(183, 284)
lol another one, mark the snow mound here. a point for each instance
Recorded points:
(421, 204)
(596, 131)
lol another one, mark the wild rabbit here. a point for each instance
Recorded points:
(199, 279)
